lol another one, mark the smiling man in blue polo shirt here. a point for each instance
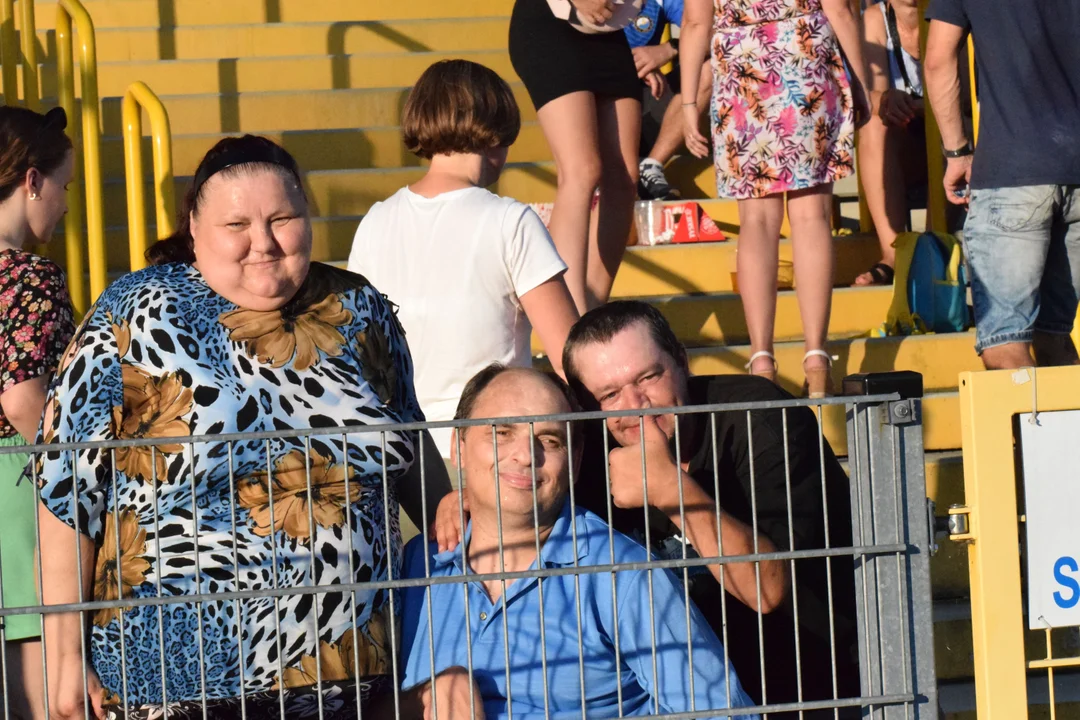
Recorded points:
(532, 653)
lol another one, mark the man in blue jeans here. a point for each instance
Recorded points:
(1022, 233)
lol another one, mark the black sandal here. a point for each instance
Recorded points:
(881, 274)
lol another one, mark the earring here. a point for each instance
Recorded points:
(34, 196)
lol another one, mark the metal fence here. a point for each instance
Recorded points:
(129, 632)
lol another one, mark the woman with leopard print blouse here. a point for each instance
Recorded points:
(232, 330)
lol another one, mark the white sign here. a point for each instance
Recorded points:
(1051, 458)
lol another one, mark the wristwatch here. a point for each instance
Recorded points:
(962, 151)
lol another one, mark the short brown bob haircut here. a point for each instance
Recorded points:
(459, 106)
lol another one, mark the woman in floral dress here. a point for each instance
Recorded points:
(233, 330)
(784, 112)
(36, 163)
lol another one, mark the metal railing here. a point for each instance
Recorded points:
(1014, 667)
(884, 562)
(90, 175)
(138, 97)
(9, 60)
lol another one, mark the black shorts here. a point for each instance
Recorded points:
(553, 59)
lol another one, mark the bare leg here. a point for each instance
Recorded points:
(758, 259)
(809, 212)
(619, 124)
(670, 138)
(1054, 350)
(882, 175)
(1008, 356)
(570, 126)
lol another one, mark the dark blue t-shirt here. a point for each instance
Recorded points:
(1028, 57)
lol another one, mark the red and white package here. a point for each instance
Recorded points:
(660, 223)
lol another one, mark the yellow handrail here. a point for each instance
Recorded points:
(8, 58)
(137, 97)
(28, 41)
(935, 162)
(66, 11)
(974, 90)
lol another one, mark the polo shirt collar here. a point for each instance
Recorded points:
(558, 549)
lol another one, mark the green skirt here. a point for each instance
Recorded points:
(17, 550)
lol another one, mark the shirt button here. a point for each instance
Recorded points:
(483, 616)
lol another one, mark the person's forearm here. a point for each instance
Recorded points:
(943, 87)
(431, 486)
(693, 50)
(847, 26)
(60, 580)
(698, 523)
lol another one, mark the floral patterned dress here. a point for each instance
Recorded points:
(35, 326)
(782, 116)
(161, 355)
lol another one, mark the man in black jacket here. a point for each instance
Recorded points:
(752, 482)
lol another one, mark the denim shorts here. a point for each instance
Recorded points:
(1023, 251)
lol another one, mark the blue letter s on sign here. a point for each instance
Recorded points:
(1067, 582)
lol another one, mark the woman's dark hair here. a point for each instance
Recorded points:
(481, 380)
(230, 157)
(458, 106)
(30, 140)
(601, 324)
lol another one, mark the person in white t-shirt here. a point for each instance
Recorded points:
(471, 272)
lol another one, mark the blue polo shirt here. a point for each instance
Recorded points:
(600, 620)
(648, 27)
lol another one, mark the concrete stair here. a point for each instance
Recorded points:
(328, 79)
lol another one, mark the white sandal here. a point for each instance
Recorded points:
(819, 382)
(769, 375)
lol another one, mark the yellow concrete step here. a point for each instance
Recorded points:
(717, 318)
(180, 13)
(279, 111)
(293, 39)
(340, 149)
(940, 358)
(708, 267)
(352, 192)
(274, 74)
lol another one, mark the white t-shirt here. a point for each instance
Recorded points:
(456, 265)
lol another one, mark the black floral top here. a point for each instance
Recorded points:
(35, 320)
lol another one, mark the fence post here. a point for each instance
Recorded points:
(8, 56)
(889, 505)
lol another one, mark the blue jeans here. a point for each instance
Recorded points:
(1023, 250)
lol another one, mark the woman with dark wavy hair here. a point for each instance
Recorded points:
(36, 164)
(232, 330)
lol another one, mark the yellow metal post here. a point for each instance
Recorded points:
(75, 262)
(66, 12)
(988, 403)
(935, 162)
(28, 41)
(137, 97)
(9, 58)
(974, 90)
